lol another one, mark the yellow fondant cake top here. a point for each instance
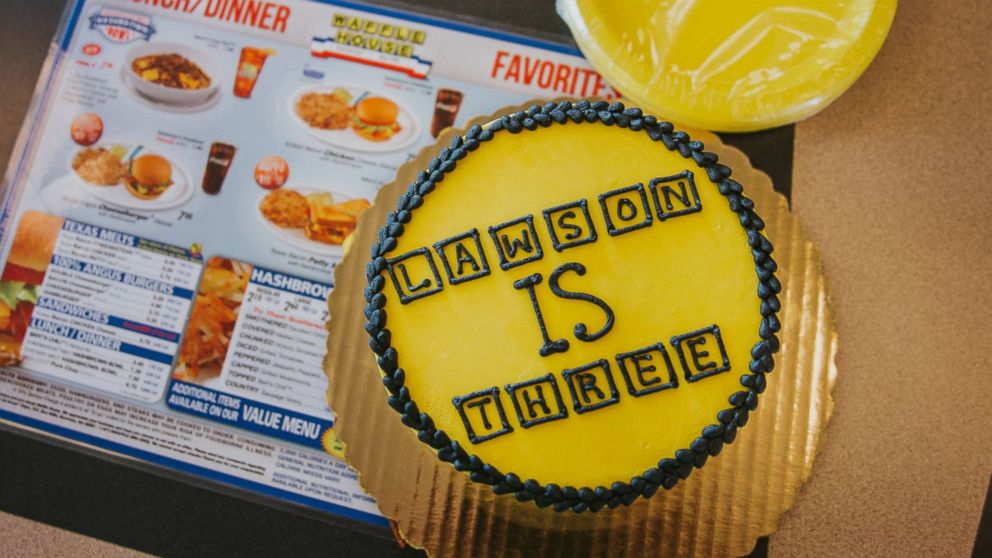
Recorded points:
(573, 303)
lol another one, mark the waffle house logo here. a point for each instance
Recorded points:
(121, 27)
(374, 43)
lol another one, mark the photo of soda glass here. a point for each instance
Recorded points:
(249, 67)
(445, 110)
(218, 162)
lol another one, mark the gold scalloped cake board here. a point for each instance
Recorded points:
(720, 510)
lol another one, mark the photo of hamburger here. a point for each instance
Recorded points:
(374, 119)
(355, 118)
(32, 249)
(147, 177)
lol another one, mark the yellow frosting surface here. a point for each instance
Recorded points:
(672, 277)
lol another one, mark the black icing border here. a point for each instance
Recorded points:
(669, 469)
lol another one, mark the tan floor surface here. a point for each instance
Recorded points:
(23, 538)
(890, 182)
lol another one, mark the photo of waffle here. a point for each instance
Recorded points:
(354, 118)
(211, 321)
(314, 220)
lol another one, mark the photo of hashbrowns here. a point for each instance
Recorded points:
(212, 319)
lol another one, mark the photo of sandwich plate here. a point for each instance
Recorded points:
(130, 175)
(316, 220)
(353, 117)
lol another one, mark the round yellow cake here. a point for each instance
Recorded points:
(574, 304)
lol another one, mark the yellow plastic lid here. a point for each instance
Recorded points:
(730, 65)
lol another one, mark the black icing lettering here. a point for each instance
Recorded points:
(641, 369)
(622, 212)
(482, 415)
(699, 354)
(481, 405)
(591, 386)
(587, 384)
(573, 231)
(414, 275)
(668, 193)
(463, 256)
(516, 244)
(410, 287)
(675, 195)
(511, 245)
(537, 401)
(569, 225)
(626, 210)
(466, 260)
(581, 330)
(549, 347)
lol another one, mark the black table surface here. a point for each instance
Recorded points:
(160, 513)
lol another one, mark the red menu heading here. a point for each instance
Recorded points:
(260, 14)
(550, 75)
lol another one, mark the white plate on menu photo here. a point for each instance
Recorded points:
(297, 238)
(346, 137)
(118, 194)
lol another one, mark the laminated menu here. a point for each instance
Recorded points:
(182, 191)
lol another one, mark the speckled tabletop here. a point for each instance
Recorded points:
(23, 538)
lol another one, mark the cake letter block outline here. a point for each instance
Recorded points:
(695, 354)
(516, 244)
(672, 191)
(474, 410)
(414, 275)
(586, 385)
(644, 372)
(626, 209)
(567, 230)
(532, 396)
(465, 255)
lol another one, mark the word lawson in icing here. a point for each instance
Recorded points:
(415, 274)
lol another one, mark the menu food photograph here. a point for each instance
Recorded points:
(188, 184)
